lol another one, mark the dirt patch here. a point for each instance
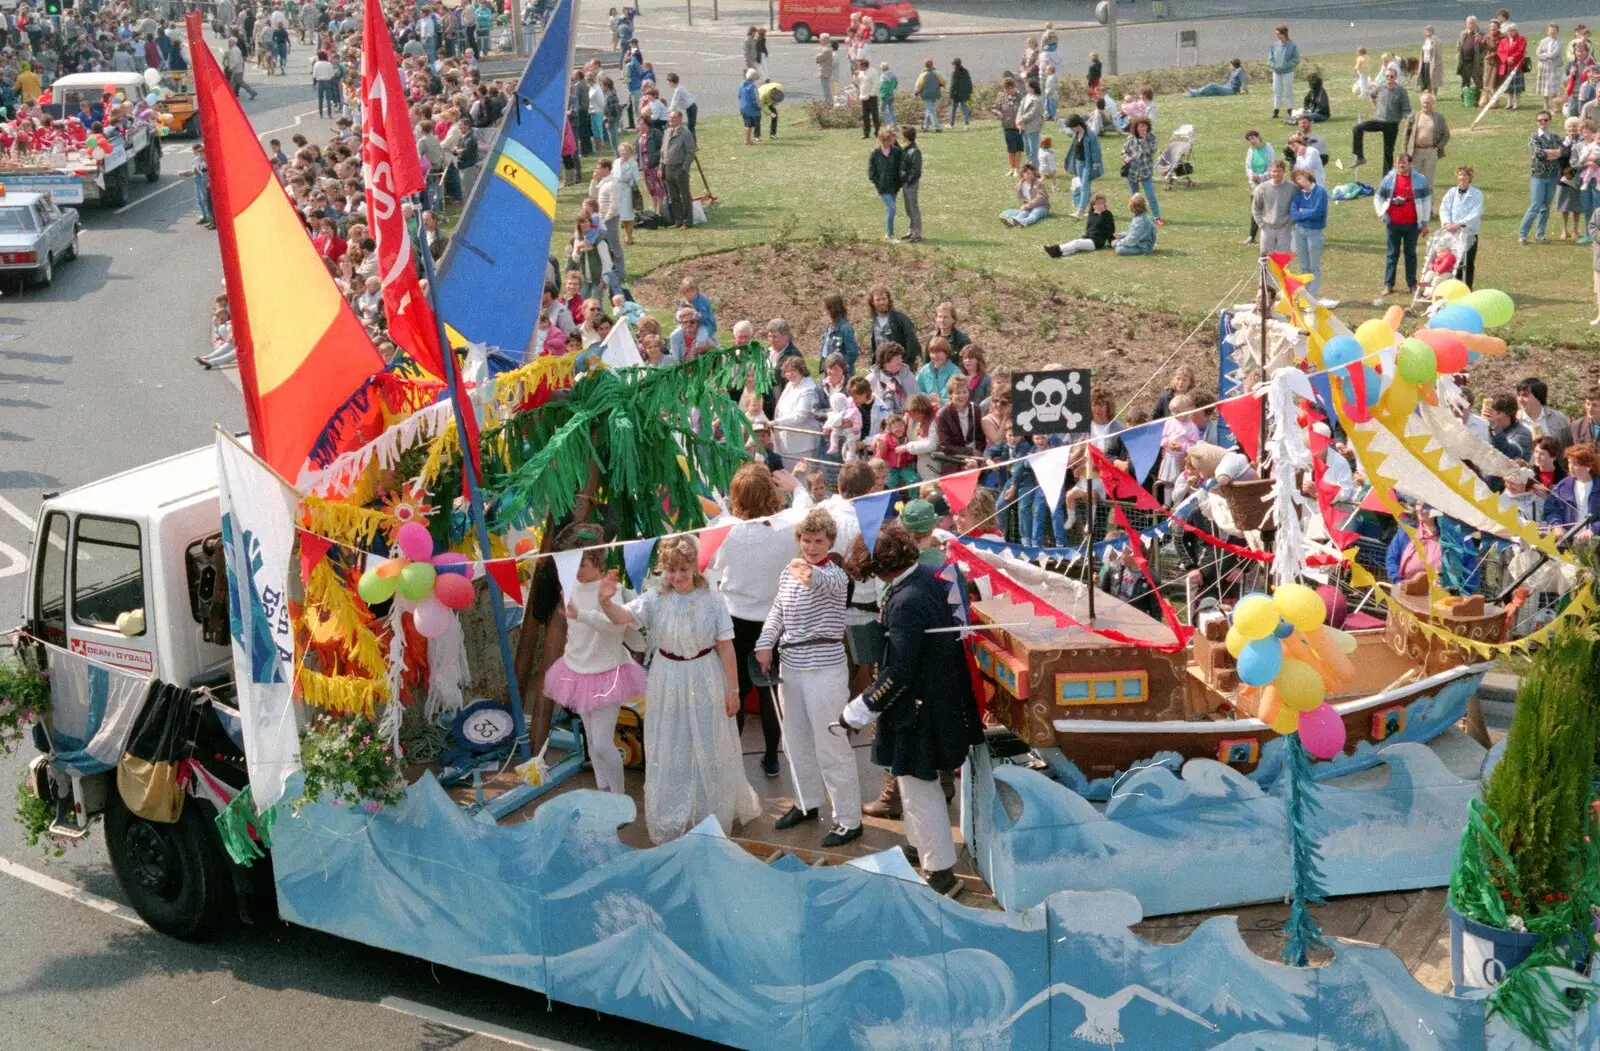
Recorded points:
(1018, 325)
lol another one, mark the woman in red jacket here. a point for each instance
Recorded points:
(959, 429)
(1513, 49)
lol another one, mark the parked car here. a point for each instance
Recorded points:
(35, 234)
(809, 19)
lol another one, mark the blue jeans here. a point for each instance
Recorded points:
(1085, 191)
(930, 114)
(1025, 216)
(202, 197)
(966, 113)
(886, 112)
(1402, 236)
(1038, 513)
(1308, 253)
(1051, 96)
(1541, 191)
(1030, 146)
(1210, 91)
(888, 212)
(1148, 186)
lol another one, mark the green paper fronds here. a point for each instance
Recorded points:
(237, 821)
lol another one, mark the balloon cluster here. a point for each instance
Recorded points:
(1286, 652)
(1453, 339)
(427, 585)
(99, 146)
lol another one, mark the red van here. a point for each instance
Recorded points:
(809, 19)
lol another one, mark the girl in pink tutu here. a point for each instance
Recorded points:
(595, 675)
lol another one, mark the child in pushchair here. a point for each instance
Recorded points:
(1176, 160)
(1447, 257)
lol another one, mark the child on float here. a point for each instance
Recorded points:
(595, 674)
(694, 767)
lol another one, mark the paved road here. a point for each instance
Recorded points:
(96, 376)
(989, 37)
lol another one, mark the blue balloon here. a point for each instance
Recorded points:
(1458, 317)
(1341, 350)
(1285, 629)
(1373, 387)
(1260, 661)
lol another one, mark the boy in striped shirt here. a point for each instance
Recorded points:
(806, 626)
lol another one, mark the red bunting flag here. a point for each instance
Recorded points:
(1136, 549)
(959, 489)
(503, 571)
(313, 549)
(1244, 420)
(710, 540)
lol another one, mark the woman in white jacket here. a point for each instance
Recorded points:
(795, 418)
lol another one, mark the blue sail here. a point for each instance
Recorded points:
(493, 270)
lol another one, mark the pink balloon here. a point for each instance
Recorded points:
(452, 562)
(415, 542)
(1322, 731)
(431, 618)
(453, 590)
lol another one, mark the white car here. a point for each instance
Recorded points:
(35, 234)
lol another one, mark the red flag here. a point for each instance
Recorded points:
(503, 571)
(313, 549)
(1136, 549)
(1244, 420)
(959, 489)
(710, 540)
(302, 352)
(391, 170)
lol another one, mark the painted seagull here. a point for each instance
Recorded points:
(1102, 1015)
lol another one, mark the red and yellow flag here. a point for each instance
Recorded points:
(302, 351)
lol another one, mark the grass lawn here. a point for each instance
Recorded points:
(808, 189)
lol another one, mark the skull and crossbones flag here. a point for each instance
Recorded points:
(1054, 402)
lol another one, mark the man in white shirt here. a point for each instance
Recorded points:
(867, 81)
(682, 102)
(608, 193)
(1462, 209)
(855, 479)
(1307, 159)
(428, 30)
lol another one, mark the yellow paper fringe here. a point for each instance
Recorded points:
(511, 388)
(342, 693)
(350, 525)
(326, 592)
(443, 448)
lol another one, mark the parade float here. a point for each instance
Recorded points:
(330, 673)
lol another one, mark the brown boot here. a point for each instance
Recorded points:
(888, 802)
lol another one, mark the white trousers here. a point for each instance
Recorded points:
(600, 733)
(927, 818)
(809, 701)
(1073, 247)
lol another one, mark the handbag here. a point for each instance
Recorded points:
(1127, 166)
(638, 200)
(1527, 64)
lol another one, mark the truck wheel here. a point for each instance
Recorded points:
(116, 193)
(45, 276)
(191, 127)
(880, 33)
(802, 33)
(153, 171)
(174, 875)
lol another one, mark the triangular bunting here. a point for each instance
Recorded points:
(1050, 467)
(1374, 502)
(503, 571)
(958, 488)
(621, 351)
(567, 570)
(1143, 444)
(636, 559)
(1322, 383)
(870, 510)
(1244, 419)
(710, 540)
(313, 549)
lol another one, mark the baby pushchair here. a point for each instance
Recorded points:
(1447, 258)
(1176, 160)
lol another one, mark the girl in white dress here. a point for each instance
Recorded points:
(694, 766)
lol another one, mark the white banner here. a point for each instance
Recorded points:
(258, 535)
(96, 706)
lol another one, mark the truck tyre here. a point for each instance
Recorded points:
(116, 194)
(191, 127)
(153, 165)
(880, 33)
(45, 276)
(175, 876)
(802, 33)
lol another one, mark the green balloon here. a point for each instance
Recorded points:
(1416, 361)
(1493, 305)
(373, 588)
(416, 581)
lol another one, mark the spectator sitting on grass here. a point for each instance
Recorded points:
(1234, 86)
(1141, 236)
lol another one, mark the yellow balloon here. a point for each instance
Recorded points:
(1300, 606)
(1452, 288)
(1343, 639)
(1300, 686)
(1255, 617)
(1235, 642)
(1400, 400)
(1286, 722)
(1375, 335)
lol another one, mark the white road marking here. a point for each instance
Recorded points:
(7, 507)
(287, 127)
(18, 561)
(173, 185)
(474, 1026)
(71, 893)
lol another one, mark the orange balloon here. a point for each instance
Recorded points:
(1394, 317)
(1271, 704)
(1338, 670)
(390, 567)
(524, 546)
(1449, 352)
(1482, 344)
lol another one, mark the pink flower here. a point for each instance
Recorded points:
(372, 806)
